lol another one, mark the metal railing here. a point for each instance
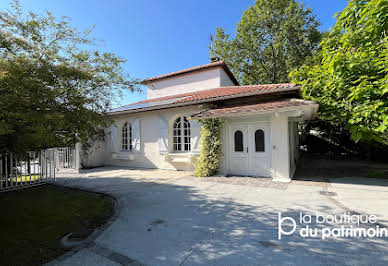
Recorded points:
(34, 168)
(65, 158)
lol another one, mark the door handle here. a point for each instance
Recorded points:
(247, 148)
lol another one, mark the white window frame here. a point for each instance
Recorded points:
(181, 135)
(126, 137)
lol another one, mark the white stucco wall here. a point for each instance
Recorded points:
(95, 156)
(225, 79)
(196, 81)
(149, 155)
(280, 147)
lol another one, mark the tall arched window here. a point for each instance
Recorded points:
(126, 137)
(181, 134)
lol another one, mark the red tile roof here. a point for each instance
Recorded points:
(234, 91)
(259, 107)
(207, 96)
(220, 63)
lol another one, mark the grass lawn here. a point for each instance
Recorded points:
(33, 220)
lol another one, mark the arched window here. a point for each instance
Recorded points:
(238, 141)
(259, 140)
(126, 137)
(181, 134)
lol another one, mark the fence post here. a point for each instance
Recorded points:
(6, 171)
(36, 175)
(77, 159)
(1, 165)
(29, 165)
(54, 162)
(1, 171)
(40, 165)
(11, 169)
(49, 167)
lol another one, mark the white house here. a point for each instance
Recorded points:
(259, 131)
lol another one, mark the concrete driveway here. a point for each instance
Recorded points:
(173, 218)
(363, 195)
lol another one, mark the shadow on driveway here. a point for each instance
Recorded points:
(167, 218)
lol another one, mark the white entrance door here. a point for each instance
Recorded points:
(239, 162)
(259, 146)
(249, 150)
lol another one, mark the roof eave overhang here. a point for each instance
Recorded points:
(223, 66)
(172, 105)
(304, 116)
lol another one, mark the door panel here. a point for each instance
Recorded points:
(238, 150)
(252, 156)
(259, 164)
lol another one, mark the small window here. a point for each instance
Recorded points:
(181, 134)
(126, 137)
(238, 141)
(259, 140)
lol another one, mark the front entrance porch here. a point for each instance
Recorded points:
(250, 149)
(260, 146)
(260, 139)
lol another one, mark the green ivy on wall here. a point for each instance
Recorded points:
(209, 159)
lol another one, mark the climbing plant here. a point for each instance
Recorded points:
(209, 159)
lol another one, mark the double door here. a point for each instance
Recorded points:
(249, 149)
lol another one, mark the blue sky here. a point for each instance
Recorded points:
(160, 36)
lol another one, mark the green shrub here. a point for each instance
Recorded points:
(209, 159)
(378, 174)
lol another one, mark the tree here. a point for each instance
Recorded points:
(55, 89)
(272, 38)
(350, 81)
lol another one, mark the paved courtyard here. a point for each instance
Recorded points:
(172, 218)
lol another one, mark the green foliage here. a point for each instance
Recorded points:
(378, 174)
(272, 38)
(209, 159)
(54, 88)
(350, 80)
